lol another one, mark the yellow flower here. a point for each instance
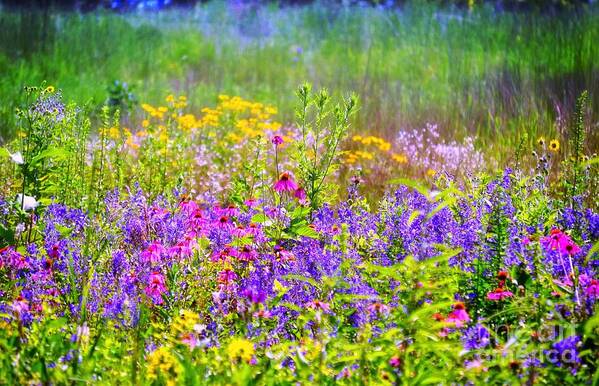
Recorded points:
(145, 123)
(430, 172)
(161, 362)
(240, 348)
(170, 98)
(541, 141)
(185, 321)
(49, 89)
(554, 145)
(114, 132)
(399, 158)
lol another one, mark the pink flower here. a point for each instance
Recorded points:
(459, 315)
(250, 202)
(593, 289)
(300, 194)
(379, 309)
(190, 340)
(568, 247)
(559, 241)
(156, 287)
(240, 231)
(254, 229)
(262, 314)
(277, 140)
(247, 254)
(153, 254)
(285, 183)
(229, 211)
(283, 255)
(224, 255)
(318, 305)
(188, 206)
(224, 223)
(226, 278)
(183, 249)
(499, 294)
(20, 306)
(554, 240)
(395, 361)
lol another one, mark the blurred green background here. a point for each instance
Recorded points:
(473, 71)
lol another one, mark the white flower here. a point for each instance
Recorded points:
(27, 202)
(17, 158)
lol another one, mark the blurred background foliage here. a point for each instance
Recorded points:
(515, 78)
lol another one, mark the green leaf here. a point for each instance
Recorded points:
(57, 153)
(306, 231)
(594, 249)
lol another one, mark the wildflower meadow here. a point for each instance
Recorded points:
(239, 193)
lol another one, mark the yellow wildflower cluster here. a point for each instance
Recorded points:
(352, 157)
(252, 119)
(399, 158)
(177, 103)
(373, 145)
(372, 140)
(240, 349)
(185, 321)
(155, 112)
(162, 363)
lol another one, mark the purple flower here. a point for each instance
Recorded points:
(475, 337)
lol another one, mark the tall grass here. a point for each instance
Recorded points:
(494, 74)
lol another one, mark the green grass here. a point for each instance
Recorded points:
(495, 75)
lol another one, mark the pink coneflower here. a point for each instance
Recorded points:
(240, 231)
(317, 305)
(254, 229)
(229, 211)
(300, 194)
(379, 309)
(459, 315)
(262, 314)
(568, 247)
(16, 261)
(247, 254)
(183, 249)
(226, 277)
(188, 206)
(250, 202)
(153, 254)
(554, 240)
(499, 293)
(224, 255)
(285, 183)
(224, 223)
(199, 223)
(20, 306)
(156, 287)
(283, 255)
(593, 289)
